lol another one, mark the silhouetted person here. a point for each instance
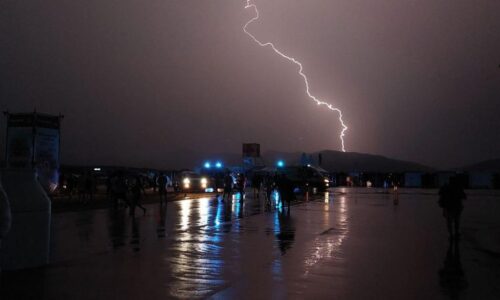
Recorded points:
(452, 276)
(89, 185)
(136, 190)
(228, 186)
(269, 185)
(285, 189)
(240, 185)
(451, 196)
(219, 183)
(256, 183)
(155, 183)
(120, 190)
(162, 187)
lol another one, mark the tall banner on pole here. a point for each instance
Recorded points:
(46, 158)
(20, 148)
(33, 141)
(251, 152)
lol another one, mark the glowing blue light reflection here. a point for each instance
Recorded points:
(280, 163)
(208, 165)
(218, 165)
(218, 216)
(277, 201)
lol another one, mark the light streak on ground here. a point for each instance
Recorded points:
(249, 4)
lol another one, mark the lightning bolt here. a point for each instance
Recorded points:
(250, 5)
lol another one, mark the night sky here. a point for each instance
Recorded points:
(417, 80)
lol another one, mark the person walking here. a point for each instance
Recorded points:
(136, 190)
(240, 185)
(89, 186)
(162, 187)
(285, 189)
(228, 186)
(269, 185)
(451, 198)
(256, 183)
(155, 183)
(120, 188)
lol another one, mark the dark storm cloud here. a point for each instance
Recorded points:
(416, 80)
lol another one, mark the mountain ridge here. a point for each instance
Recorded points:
(485, 166)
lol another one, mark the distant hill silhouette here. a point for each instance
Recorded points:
(487, 165)
(336, 161)
(333, 161)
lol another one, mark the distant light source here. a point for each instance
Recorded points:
(204, 183)
(208, 165)
(187, 182)
(97, 169)
(218, 165)
(280, 163)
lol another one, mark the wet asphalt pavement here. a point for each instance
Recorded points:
(345, 244)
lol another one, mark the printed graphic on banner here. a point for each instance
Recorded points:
(47, 156)
(20, 147)
(251, 150)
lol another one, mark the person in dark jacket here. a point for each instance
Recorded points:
(269, 185)
(228, 186)
(451, 198)
(240, 185)
(136, 190)
(256, 183)
(285, 189)
(162, 187)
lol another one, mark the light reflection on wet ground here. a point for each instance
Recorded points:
(345, 244)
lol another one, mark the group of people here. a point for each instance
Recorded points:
(118, 188)
(84, 185)
(270, 183)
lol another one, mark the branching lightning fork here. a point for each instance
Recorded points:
(249, 4)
